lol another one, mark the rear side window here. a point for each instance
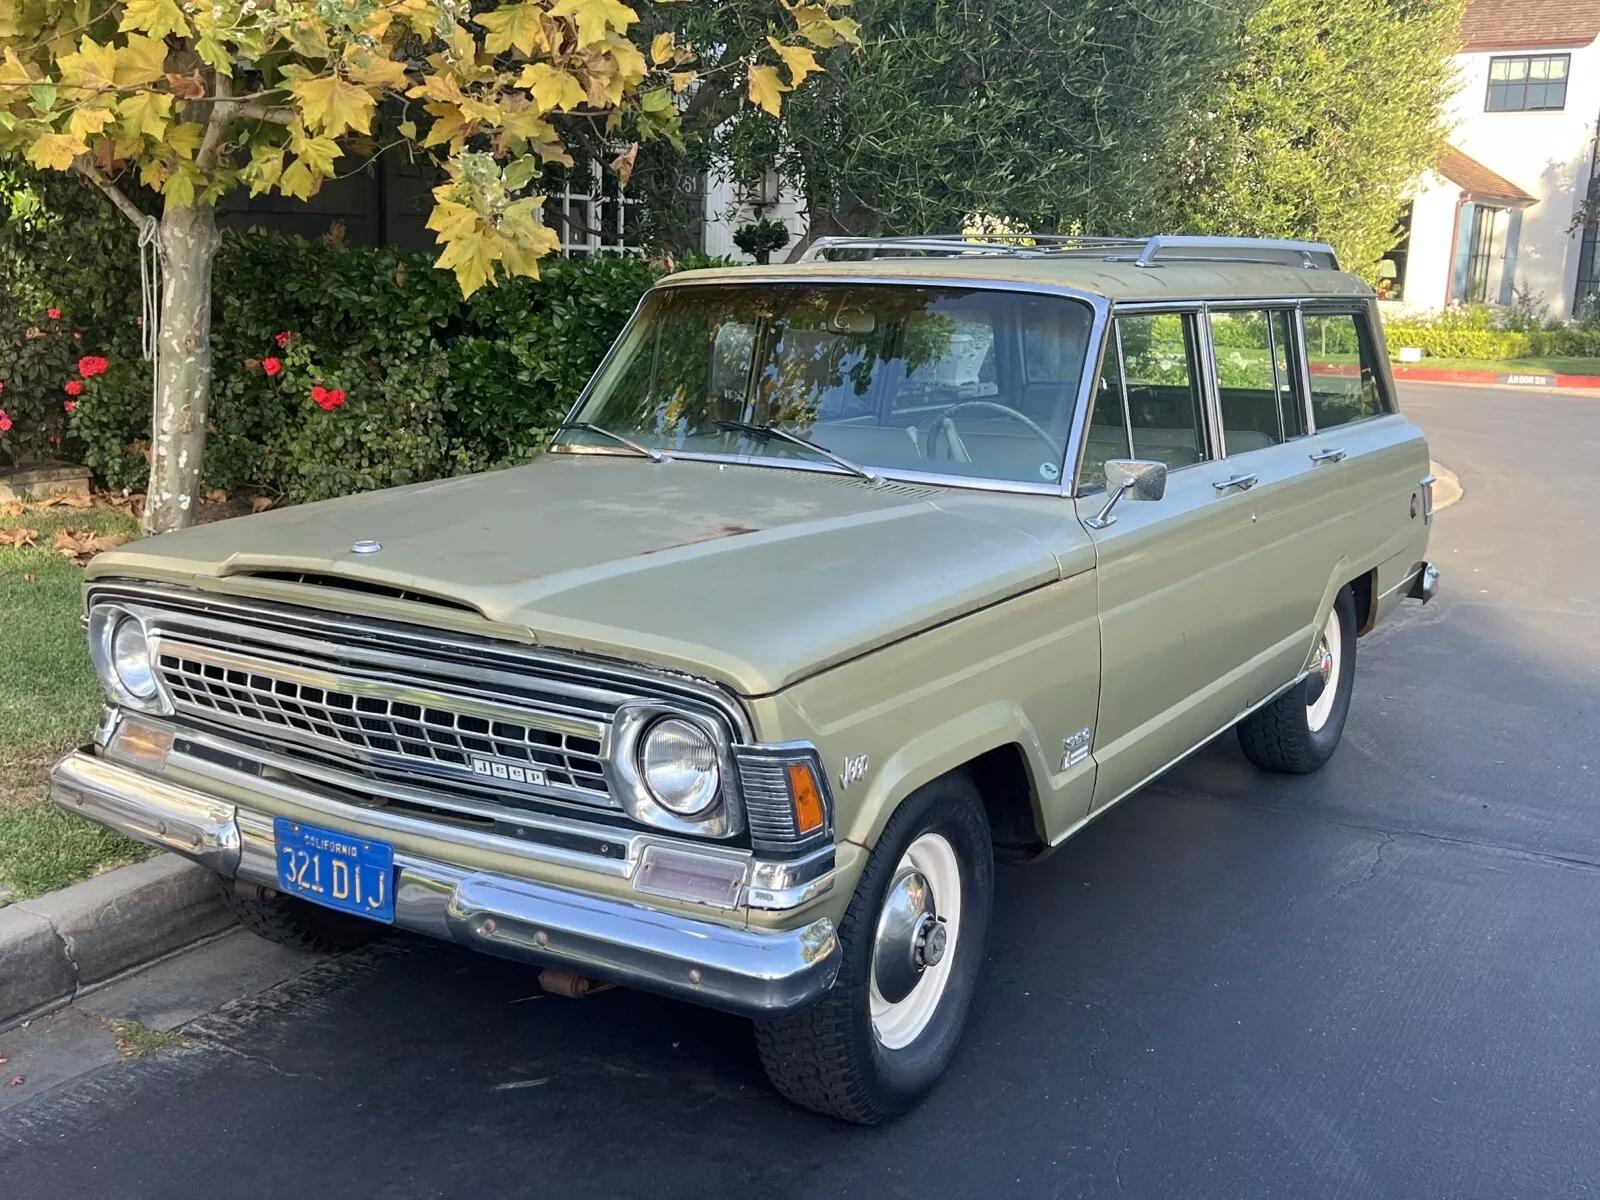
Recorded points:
(1260, 404)
(1342, 365)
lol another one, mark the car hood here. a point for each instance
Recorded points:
(757, 576)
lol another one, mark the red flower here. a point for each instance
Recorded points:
(271, 366)
(91, 365)
(5, 421)
(69, 405)
(281, 338)
(76, 336)
(73, 387)
(53, 313)
(327, 399)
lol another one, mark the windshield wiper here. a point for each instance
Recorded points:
(654, 456)
(765, 432)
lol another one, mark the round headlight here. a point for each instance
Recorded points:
(130, 658)
(679, 763)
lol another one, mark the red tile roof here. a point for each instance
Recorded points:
(1514, 24)
(1477, 180)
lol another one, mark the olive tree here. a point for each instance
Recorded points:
(193, 98)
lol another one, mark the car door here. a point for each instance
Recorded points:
(1177, 616)
(1262, 413)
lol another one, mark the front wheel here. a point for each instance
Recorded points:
(1300, 730)
(913, 942)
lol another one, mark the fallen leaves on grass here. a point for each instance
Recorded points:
(132, 505)
(135, 1040)
(18, 538)
(64, 500)
(216, 496)
(11, 508)
(260, 503)
(80, 545)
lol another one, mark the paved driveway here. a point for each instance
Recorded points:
(1379, 981)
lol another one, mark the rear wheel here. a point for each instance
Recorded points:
(913, 942)
(1300, 730)
(296, 923)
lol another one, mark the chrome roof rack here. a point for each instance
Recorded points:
(1141, 251)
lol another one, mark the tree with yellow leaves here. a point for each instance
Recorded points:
(194, 98)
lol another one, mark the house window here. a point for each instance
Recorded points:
(591, 212)
(1527, 83)
(1481, 262)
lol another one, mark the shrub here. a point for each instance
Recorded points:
(431, 385)
(44, 372)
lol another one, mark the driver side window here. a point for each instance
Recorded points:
(1147, 404)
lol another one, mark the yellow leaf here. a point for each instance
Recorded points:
(298, 181)
(518, 25)
(800, 61)
(469, 257)
(766, 89)
(309, 39)
(93, 66)
(376, 23)
(153, 174)
(681, 79)
(332, 105)
(551, 88)
(594, 17)
(142, 60)
(661, 48)
(158, 18)
(180, 185)
(818, 28)
(265, 167)
(185, 137)
(375, 70)
(523, 121)
(8, 19)
(146, 113)
(85, 121)
(55, 151)
(451, 220)
(12, 71)
(318, 153)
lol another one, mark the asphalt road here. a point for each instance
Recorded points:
(1382, 980)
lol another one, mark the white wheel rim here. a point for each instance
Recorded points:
(1330, 644)
(899, 1024)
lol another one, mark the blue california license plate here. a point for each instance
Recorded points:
(335, 869)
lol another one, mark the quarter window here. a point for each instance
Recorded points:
(1343, 367)
(1260, 404)
(1527, 83)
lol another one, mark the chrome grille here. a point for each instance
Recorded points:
(496, 744)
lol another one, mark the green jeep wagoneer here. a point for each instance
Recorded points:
(844, 579)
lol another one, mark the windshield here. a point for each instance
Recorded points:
(946, 380)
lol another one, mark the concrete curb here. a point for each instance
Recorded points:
(1408, 373)
(54, 946)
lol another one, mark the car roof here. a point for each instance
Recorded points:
(1118, 280)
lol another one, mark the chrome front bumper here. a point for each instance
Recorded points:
(753, 973)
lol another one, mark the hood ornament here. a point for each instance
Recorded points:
(366, 546)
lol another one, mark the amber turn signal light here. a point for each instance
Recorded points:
(809, 813)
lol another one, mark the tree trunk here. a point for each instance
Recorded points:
(189, 242)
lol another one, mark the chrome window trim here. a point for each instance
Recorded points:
(1099, 305)
(1302, 365)
(1210, 386)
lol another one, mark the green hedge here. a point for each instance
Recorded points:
(433, 384)
(1477, 332)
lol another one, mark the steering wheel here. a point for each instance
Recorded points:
(958, 450)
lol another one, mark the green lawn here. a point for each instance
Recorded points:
(48, 702)
(1553, 365)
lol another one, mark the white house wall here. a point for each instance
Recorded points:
(1433, 225)
(725, 213)
(1547, 154)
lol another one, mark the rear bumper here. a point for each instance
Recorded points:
(1424, 583)
(753, 973)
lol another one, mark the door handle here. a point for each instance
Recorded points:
(1243, 482)
(1322, 456)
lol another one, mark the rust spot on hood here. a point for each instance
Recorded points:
(726, 529)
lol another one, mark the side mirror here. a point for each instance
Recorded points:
(1136, 478)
